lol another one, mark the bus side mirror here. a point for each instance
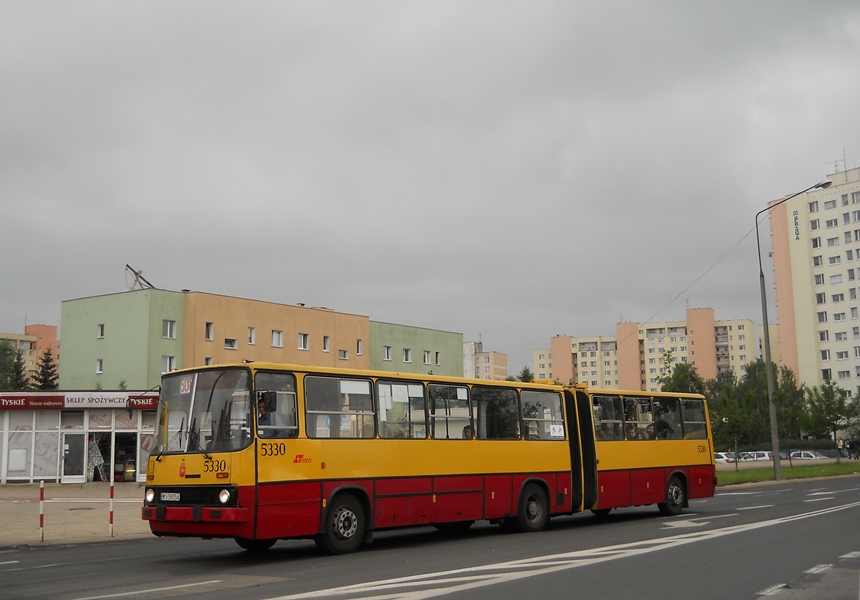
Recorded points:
(269, 400)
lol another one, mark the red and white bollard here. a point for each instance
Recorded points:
(41, 511)
(111, 508)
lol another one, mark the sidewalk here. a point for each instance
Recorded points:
(73, 514)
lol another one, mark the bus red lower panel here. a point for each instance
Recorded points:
(497, 496)
(647, 486)
(288, 510)
(613, 489)
(701, 481)
(401, 502)
(458, 498)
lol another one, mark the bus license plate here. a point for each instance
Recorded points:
(169, 496)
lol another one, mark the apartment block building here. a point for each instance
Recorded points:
(130, 338)
(634, 357)
(478, 364)
(815, 249)
(33, 343)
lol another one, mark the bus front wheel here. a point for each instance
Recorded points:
(533, 510)
(254, 545)
(344, 526)
(675, 496)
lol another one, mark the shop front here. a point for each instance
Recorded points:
(76, 437)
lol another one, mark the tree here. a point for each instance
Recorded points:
(829, 410)
(526, 375)
(680, 377)
(18, 378)
(46, 372)
(7, 363)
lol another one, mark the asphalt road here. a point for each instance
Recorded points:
(796, 539)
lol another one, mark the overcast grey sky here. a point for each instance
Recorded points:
(513, 170)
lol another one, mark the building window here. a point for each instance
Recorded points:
(209, 331)
(830, 223)
(841, 336)
(816, 242)
(407, 355)
(822, 317)
(439, 359)
(825, 374)
(842, 355)
(855, 197)
(326, 344)
(834, 260)
(819, 279)
(813, 206)
(832, 241)
(342, 354)
(817, 261)
(168, 330)
(838, 297)
(358, 347)
(100, 365)
(823, 336)
(252, 336)
(386, 353)
(426, 357)
(304, 340)
(853, 312)
(844, 374)
(836, 278)
(839, 316)
(229, 343)
(207, 360)
(168, 363)
(101, 330)
(825, 355)
(277, 338)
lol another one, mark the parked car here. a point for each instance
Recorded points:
(807, 455)
(724, 457)
(756, 455)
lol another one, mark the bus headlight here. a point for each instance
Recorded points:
(224, 496)
(150, 495)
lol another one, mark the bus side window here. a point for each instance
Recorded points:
(497, 414)
(401, 410)
(638, 422)
(279, 392)
(449, 411)
(338, 408)
(543, 417)
(667, 418)
(693, 415)
(608, 418)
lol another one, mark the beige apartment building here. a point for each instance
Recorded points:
(478, 364)
(815, 240)
(633, 358)
(33, 343)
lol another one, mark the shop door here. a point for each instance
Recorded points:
(74, 455)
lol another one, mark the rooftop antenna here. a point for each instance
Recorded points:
(837, 161)
(140, 281)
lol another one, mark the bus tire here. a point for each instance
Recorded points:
(254, 545)
(533, 510)
(675, 497)
(344, 526)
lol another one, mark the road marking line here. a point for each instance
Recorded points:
(818, 569)
(151, 590)
(851, 555)
(754, 507)
(819, 499)
(485, 575)
(772, 590)
(15, 562)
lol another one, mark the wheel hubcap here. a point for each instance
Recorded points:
(345, 523)
(532, 510)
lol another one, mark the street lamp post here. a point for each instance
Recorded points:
(774, 432)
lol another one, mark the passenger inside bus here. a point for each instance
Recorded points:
(468, 434)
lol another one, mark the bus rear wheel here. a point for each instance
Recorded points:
(254, 545)
(675, 497)
(532, 512)
(345, 525)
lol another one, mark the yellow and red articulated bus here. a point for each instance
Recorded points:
(260, 452)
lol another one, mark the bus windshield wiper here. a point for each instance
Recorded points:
(170, 441)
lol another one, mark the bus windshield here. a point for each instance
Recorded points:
(207, 411)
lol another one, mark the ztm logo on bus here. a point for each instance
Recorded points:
(300, 458)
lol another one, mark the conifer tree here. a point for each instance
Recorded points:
(18, 378)
(46, 372)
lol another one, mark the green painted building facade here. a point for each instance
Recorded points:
(121, 339)
(405, 349)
